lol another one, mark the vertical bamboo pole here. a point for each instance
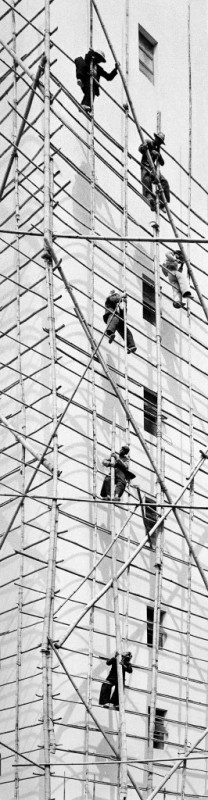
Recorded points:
(23, 431)
(122, 783)
(94, 417)
(158, 552)
(125, 233)
(48, 614)
(191, 426)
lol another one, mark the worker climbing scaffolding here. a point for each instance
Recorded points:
(114, 317)
(123, 475)
(148, 178)
(106, 695)
(92, 60)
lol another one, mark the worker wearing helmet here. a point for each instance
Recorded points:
(147, 175)
(83, 71)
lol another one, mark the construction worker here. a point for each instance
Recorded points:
(147, 175)
(112, 680)
(83, 71)
(177, 273)
(116, 323)
(122, 474)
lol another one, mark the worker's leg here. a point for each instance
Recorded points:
(131, 347)
(177, 297)
(114, 698)
(166, 189)
(182, 276)
(106, 488)
(86, 97)
(146, 179)
(112, 326)
(105, 693)
(119, 488)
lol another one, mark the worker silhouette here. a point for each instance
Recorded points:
(177, 273)
(83, 65)
(147, 175)
(114, 303)
(112, 680)
(122, 474)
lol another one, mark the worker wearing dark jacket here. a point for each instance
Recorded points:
(116, 323)
(147, 176)
(112, 680)
(122, 474)
(83, 75)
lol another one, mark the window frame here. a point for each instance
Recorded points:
(150, 623)
(147, 45)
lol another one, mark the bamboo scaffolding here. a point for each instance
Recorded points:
(129, 415)
(132, 557)
(92, 715)
(22, 126)
(124, 287)
(24, 442)
(152, 167)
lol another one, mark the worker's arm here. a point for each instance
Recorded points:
(108, 75)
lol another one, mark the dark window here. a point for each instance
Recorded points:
(150, 411)
(150, 621)
(146, 53)
(160, 733)
(150, 513)
(148, 300)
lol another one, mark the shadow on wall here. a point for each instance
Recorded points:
(81, 197)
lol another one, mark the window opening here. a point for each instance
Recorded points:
(150, 621)
(150, 412)
(146, 53)
(148, 300)
(160, 732)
